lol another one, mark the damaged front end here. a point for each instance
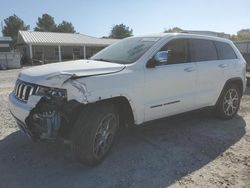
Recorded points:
(52, 115)
(47, 99)
(45, 120)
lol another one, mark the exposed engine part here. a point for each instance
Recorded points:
(47, 124)
(46, 118)
(52, 116)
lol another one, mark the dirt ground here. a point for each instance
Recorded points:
(190, 150)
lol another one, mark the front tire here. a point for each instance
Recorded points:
(94, 133)
(229, 102)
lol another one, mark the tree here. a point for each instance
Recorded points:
(173, 30)
(45, 23)
(120, 31)
(65, 27)
(233, 37)
(243, 34)
(12, 25)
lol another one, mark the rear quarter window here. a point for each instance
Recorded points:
(203, 50)
(225, 51)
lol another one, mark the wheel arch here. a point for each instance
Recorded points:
(124, 107)
(237, 80)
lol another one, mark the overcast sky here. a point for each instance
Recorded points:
(96, 17)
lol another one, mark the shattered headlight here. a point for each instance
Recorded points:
(53, 92)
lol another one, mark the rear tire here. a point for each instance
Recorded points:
(229, 102)
(94, 133)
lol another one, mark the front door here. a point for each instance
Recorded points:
(170, 87)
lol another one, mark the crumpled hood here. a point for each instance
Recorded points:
(59, 72)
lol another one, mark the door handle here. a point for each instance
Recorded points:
(189, 69)
(223, 65)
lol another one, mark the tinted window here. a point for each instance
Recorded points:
(203, 50)
(225, 51)
(177, 51)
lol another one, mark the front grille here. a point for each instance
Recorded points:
(23, 90)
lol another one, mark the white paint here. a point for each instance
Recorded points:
(84, 52)
(165, 89)
(31, 52)
(21, 110)
(51, 73)
(59, 53)
(143, 87)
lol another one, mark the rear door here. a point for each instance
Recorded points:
(210, 74)
(227, 58)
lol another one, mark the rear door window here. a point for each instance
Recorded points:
(225, 51)
(203, 50)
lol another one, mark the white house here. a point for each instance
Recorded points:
(48, 47)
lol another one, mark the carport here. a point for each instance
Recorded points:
(53, 47)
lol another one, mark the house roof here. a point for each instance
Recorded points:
(52, 38)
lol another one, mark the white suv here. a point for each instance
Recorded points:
(133, 81)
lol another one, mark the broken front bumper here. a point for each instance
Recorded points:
(19, 109)
(40, 117)
(20, 112)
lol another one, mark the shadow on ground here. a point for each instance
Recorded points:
(155, 155)
(247, 91)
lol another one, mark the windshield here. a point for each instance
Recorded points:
(126, 51)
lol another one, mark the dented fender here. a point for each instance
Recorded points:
(76, 91)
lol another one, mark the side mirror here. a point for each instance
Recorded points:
(161, 57)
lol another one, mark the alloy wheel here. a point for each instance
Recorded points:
(230, 102)
(105, 135)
